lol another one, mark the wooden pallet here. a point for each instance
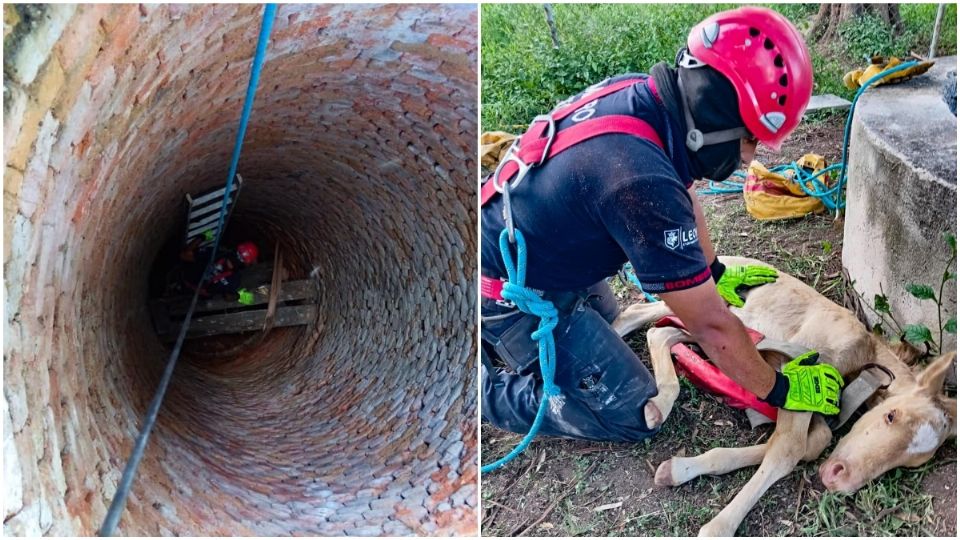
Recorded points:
(289, 291)
(216, 316)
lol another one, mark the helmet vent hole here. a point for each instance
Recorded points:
(754, 32)
(782, 101)
(767, 44)
(783, 80)
(778, 61)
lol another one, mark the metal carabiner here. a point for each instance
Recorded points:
(508, 213)
(522, 170)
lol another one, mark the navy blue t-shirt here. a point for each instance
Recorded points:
(612, 198)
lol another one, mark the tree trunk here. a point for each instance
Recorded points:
(826, 23)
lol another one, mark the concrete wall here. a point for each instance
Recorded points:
(902, 194)
(359, 160)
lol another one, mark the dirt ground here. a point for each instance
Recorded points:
(573, 488)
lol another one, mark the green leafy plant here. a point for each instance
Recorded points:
(918, 333)
(921, 334)
(881, 307)
(868, 35)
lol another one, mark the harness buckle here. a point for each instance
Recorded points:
(513, 155)
(551, 134)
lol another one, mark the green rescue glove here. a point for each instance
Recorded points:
(812, 386)
(743, 276)
(246, 297)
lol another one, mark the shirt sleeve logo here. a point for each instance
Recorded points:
(679, 238)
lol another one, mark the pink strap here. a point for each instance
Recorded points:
(534, 137)
(491, 288)
(566, 138)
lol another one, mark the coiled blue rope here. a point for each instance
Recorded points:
(811, 184)
(528, 301)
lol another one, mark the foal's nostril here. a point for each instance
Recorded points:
(832, 471)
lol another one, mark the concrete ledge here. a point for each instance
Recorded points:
(902, 193)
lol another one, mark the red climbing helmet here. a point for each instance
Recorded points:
(247, 252)
(765, 58)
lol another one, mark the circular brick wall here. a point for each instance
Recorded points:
(359, 160)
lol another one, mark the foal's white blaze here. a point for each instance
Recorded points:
(926, 439)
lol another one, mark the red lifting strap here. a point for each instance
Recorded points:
(532, 143)
(708, 377)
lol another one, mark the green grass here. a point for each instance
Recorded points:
(524, 75)
(892, 505)
(918, 20)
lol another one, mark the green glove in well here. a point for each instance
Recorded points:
(743, 276)
(807, 385)
(246, 297)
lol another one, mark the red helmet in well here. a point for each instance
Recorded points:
(247, 252)
(765, 58)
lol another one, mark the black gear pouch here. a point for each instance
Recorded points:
(514, 345)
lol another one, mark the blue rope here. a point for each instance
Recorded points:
(269, 11)
(632, 276)
(811, 184)
(528, 301)
(119, 501)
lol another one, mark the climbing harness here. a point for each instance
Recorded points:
(707, 377)
(539, 143)
(542, 141)
(136, 455)
(814, 184)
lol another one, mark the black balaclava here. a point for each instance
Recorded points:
(713, 104)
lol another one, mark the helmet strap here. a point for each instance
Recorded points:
(696, 139)
(686, 60)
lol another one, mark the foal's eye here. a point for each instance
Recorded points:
(891, 416)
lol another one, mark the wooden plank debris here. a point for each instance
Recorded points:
(275, 288)
(290, 291)
(248, 321)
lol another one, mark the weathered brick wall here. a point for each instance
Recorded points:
(360, 159)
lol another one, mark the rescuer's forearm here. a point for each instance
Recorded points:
(722, 336)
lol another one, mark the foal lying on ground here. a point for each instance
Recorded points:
(907, 423)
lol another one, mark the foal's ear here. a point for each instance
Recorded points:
(931, 378)
(949, 406)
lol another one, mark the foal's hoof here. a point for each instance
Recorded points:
(664, 475)
(652, 414)
(716, 530)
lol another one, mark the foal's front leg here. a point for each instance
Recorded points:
(786, 447)
(679, 470)
(639, 314)
(659, 343)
